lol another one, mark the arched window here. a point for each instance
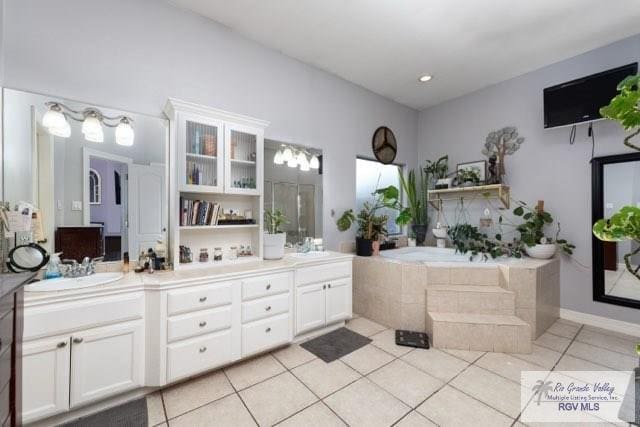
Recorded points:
(95, 187)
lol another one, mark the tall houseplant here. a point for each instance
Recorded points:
(623, 225)
(371, 225)
(415, 213)
(625, 108)
(274, 237)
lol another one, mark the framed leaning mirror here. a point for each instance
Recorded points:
(615, 183)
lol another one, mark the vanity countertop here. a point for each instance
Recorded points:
(9, 282)
(167, 279)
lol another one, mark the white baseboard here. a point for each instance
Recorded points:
(600, 322)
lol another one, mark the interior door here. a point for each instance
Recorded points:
(147, 207)
(338, 300)
(310, 307)
(106, 361)
(45, 378)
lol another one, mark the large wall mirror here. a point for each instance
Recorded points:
(615, 183)
(293, 185)
(96, 175)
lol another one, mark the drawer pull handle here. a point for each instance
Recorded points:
(267, 308)
(269, 286)
(324, 286)
(329, 285)
(203, 324)
(62, 344)
(203, 299)
(77, 340)
(203, 349)
(267, 330)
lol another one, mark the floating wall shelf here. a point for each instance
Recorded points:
(494, 191)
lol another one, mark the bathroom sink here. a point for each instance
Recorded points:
(310, 254)
(73, 282)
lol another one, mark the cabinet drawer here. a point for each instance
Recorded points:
(58, 319)
(265, 307)
(198, 323)
(6, 331)
(265, 334)
(263, 286)
(322, 273)
(198, 354)
(198, 298)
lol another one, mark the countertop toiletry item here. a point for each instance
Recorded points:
(217, 254)
(233, 252)
(53, 267)
(125, 262)
(204, 255)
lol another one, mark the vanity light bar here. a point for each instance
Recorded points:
(296, 157)
(55, 120)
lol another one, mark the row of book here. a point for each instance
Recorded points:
(198, 212)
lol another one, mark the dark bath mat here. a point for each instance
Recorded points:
(130, 414)
(335, 344)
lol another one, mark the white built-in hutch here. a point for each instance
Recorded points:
(217, 157)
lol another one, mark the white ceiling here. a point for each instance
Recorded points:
(386, 45)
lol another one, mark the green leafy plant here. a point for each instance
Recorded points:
(437, 169)
(416, 212)
(346, 219)
(625, 108)
(532, 230)
(468, 239)
(274, 220)
(623, 225)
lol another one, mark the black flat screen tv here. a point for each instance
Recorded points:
(580, 100)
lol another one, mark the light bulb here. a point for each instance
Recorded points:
(54, 118)
(277, 159)
(303, 162)
(92, 129)
(314, 163)
(287, 155)
(124, 133)
(63, 131)
(293, 162)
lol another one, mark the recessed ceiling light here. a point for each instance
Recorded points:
(425, 78)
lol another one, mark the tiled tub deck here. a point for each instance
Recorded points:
(460, 302)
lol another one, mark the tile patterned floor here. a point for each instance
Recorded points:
(383, 384)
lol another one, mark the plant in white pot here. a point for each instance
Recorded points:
(536, 243)
(274, 237)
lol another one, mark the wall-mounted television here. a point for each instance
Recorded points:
(580, 100)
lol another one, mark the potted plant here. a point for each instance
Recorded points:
(537, 244)
(274, 237)
(439, 170)
(416, 211)
(623, 225)
(625, 108)
(371, 227)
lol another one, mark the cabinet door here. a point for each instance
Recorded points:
(45, 378)
(310, 307)
(200, 154)
(106, 361)
(243, 166)
(338, 297)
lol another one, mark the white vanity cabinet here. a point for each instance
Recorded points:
(323, 296)
(80, 352)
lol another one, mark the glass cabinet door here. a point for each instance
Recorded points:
(202, 154)
(243, 170)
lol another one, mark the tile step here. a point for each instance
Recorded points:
(480, 332)
(472, 299)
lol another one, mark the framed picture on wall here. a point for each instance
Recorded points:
(478, 166)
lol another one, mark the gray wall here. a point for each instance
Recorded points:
(70, 49)
(546, 167)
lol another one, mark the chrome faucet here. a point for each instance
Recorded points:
(74, 269)
(306, 246)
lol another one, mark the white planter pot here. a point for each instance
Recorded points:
(440, 233)
(274, 245)
(540, 251)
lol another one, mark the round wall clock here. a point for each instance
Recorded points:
(384, 145)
